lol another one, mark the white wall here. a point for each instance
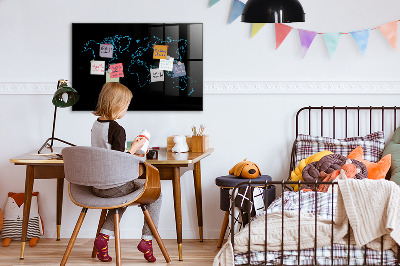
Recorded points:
(36, 47)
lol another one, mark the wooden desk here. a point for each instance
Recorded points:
(171, 167)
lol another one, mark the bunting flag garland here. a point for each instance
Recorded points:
(306, 39)
(213, 2)
(361, 37)
(256, 28)
(237, 9)
(332, 41)
(281, 31)
(389, 30)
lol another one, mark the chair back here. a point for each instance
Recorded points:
(92, 166)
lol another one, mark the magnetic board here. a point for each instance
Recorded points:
(162, 64)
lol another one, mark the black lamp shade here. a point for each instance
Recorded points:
(62, 101)
(273, 11)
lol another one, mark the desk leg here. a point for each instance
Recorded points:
(60, 190)
(176, 182)
(199, 204)
(27, 206)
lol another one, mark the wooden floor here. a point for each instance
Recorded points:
(50, 252)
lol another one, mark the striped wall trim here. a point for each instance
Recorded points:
(246, 87)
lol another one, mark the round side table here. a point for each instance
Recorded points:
(226, 183)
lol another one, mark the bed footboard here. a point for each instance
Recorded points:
(310, 255)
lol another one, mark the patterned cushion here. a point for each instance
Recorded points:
(372, 144)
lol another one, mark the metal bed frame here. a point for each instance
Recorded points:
(283, 184)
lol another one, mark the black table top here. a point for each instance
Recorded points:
(230, 181)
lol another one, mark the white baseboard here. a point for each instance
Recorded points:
(246, 87)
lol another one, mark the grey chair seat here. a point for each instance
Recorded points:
(83, 196)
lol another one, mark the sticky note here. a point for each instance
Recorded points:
(179, 70)
(106, 50)
(167, 64)
(110, 79)
(117, 71)
(97, 67)
(160, 51)
(156, 75)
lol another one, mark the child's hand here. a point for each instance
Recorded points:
(143, 155)
(137, 144)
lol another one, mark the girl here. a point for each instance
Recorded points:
(113, 103)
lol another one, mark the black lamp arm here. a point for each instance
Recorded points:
(51, 147)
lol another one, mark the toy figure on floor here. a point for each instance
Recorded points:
(13, 215)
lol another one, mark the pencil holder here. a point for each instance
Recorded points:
(200, 143)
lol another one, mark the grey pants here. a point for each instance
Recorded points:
(153, 208)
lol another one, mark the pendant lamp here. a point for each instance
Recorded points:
(64, 96)
(273, 11)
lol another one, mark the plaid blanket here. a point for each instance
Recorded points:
(324, 257)
(322, 204)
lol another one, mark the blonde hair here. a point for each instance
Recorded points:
(112, 99)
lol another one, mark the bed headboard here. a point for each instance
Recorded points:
(344, 121)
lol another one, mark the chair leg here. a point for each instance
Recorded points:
(154, 230)
(117, 238)
(223, 229)
(73, 237)
(101, 222)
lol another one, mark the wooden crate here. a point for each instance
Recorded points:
(171, 143)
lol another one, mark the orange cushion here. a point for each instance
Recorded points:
(375, 170)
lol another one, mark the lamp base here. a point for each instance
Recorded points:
(50, 146)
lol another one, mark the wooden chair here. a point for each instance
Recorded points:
(85, 167)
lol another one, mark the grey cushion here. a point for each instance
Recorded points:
(99, 167)
(393, 148)
(83, 195)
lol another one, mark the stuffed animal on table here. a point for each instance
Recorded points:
(13, 215)
(180, 144)
(245, 169)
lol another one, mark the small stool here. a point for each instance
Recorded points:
(226, 183)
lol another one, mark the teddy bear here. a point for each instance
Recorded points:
(245, 169)
(13, 215)
(180, 144)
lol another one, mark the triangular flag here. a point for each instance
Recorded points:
(306, 39)
(332, 41)
(281, 31)
(213, 2)
(361, 37)
(237, 9)
(390, 32)
(256, 28)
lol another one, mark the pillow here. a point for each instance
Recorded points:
(372, 144)
(329, 164)
(296, 174)
(375, 170)
(393, 148)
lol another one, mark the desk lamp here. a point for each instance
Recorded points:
(63, 97)
(273, 11)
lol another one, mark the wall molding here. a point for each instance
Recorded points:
(302, 87)
(244, 87)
